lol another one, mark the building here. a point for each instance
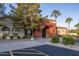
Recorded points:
(51, 27)
(74, 32)
(62, 31)
(65, 31)
(8, 23)
(47, 28)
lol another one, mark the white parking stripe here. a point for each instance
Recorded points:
(11, 53)
(26, 53)
(3, 53)
(40, 52)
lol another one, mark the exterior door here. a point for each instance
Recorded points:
(44, 33)
(28, 33)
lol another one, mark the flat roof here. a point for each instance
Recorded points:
(62, 27)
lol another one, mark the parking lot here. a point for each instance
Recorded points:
(43, 50)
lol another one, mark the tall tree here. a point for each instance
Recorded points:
(1, 24)
(2, 10)
(77, 25)
(68, 20)
(56, 13)
(27, 15)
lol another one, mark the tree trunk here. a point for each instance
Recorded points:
(56, 24)
(32, 38)
(25, 32)
(68, 28)
(78, 28)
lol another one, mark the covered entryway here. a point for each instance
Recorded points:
(44, 30)
(28, 33)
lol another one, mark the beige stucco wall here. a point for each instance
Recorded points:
(1, 34)
(61, 31)
(9, 24)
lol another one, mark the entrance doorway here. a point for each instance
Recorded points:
(28, 33)
(44, 30)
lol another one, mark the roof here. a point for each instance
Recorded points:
(62, 27)
(49, 23)
(48, 20)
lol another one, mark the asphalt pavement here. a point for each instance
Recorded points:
(43, 50)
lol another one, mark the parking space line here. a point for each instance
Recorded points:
(40, 52)
(25, 49)
(3, 53)
(28, 49)
(11, 53)
(26, 53)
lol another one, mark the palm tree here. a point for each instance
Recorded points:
(77, 25)
(56, 13)
(68, 20)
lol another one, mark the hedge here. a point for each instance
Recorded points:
(68, 40)
(55, 39)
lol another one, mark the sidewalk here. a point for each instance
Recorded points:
(72, 47)
(7, 45)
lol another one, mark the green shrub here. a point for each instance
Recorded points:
(55, 39)
(68, 40)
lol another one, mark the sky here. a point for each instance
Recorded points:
(67, 10)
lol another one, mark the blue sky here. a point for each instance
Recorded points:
(67, 10)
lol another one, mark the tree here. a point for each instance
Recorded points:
(1, 24)
(2, 13)
(2, 10)
(77, 25)
(27, 15)
(68, 20)
(56, 13)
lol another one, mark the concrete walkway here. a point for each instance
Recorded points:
(8, 45)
